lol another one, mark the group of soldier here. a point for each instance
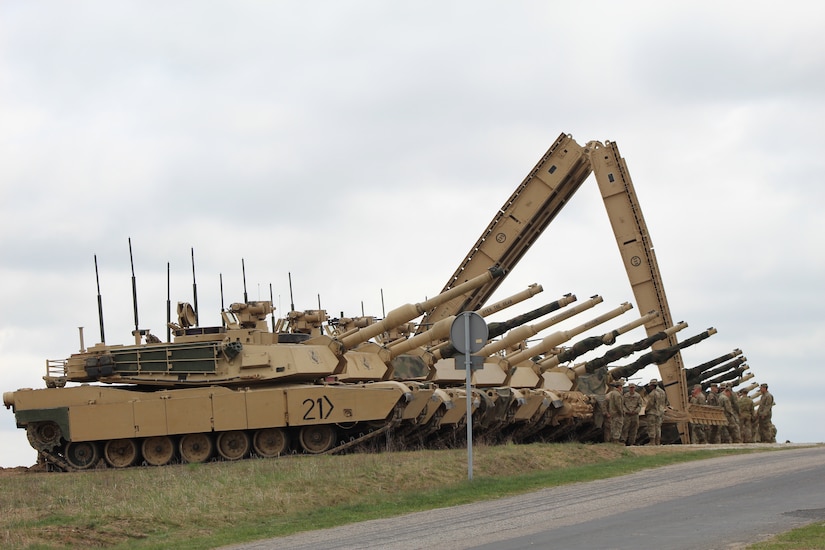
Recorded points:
(746, 423)
(621, 412)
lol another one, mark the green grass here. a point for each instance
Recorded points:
(220, 503)
(805, 538)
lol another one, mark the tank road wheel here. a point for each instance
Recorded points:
(317, 439)
(120, 453)
(270, 442)
(233, 445)
(44, 436)
(82, 455)
(196, 447)
(158, 451)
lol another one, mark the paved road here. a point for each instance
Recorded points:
(720, 503)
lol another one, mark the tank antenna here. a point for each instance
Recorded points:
(195, 289)
(168, 305)
(99, 305)
(383, 313)
(272, 301)
(291, 299)
(319, 301)
(134, 291)
(220, 278)
(243, 272)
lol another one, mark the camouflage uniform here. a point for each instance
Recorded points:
(632, 406)
(732, 428)
(764, 414)
(747, 415)
(697, 431)
(615, 413)
(654, 410)
(712, 398)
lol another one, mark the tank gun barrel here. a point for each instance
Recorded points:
(730, 375)
(659, 356)
(562, 336)
(589, 344)
(522, 333)
(620, 352)
(519, 297)
(439, 331)
(409, 312)
(750, 387)
(742, 379)
(710, 373)
(495, 330)
(699, 369)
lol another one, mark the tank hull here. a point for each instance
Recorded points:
(315, 416)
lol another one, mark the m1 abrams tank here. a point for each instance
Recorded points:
(231, 390)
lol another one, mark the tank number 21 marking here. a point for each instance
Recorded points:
(318, 409)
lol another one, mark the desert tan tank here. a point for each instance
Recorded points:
(231, 390)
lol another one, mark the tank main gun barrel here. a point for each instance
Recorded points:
(710, 373)
(620, 352)
(750, 387)
(699, 369)
(562, 336)
(409, 312)
(659, 356)
(742, 379)
(589, 344)
(519, 297)
(439, 331)
(522, 333)
(494, 330)
(729, 375)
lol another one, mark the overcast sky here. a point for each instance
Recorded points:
(364, 146)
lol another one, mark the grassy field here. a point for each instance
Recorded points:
(219, 503)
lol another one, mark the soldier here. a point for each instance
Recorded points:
(764, 414)
(632, 406)
(732, 428)
(615, 412)
(712, 398)
(697, 431)
(734, 403)
(724, 433)
(747, 416)
(654, 410)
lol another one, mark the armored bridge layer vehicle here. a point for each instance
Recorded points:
(228, 391)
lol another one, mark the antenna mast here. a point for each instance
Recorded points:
(134, 293)
(243, 272)
(291, 301)
(195, 289)
(168, 306)
(99, 305)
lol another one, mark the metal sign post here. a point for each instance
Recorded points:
(468, 334)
